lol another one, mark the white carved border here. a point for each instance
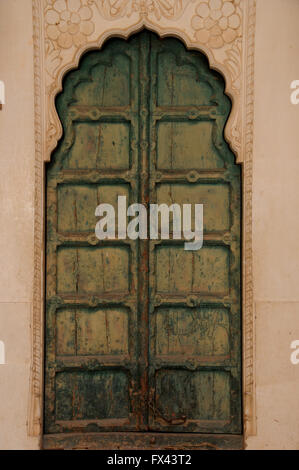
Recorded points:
(63, 30)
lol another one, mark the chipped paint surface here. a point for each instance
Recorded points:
(142, 335)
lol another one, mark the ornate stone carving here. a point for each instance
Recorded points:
(248, 312)
(224, 31)
(171, 9)
(36, 374)
(69, 22)
(215, 26)
(217, 22)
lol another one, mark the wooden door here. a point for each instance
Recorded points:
(142, 335)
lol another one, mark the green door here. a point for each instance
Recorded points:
(142, 335)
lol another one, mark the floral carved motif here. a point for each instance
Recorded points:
(217, 22)
(70, 22)
(171, 9)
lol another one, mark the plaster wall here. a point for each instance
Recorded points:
(16, 219)
(275, 224)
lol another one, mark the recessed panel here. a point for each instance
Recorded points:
(181, 84)
(204, 271)
(102, 331)
(97, 270)
(92, 331)
(100, 145)
(214, 197)
(87, 395)
(108, 82)
(192, 395)
(191, 332)
(77, 204)
(187, 145)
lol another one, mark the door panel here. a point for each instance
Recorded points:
(194, 365)
(92, 371)
(142, 335)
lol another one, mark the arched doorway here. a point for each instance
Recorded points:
(142, 336)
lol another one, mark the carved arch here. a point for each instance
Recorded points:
(230, 52)
(230, 128)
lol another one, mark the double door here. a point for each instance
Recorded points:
(142, 335)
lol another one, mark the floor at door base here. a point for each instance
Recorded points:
(146, 441)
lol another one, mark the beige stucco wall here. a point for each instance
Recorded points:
(16, 218)
(276, 224)
(275, 241)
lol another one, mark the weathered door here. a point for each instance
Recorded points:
(142, 335)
